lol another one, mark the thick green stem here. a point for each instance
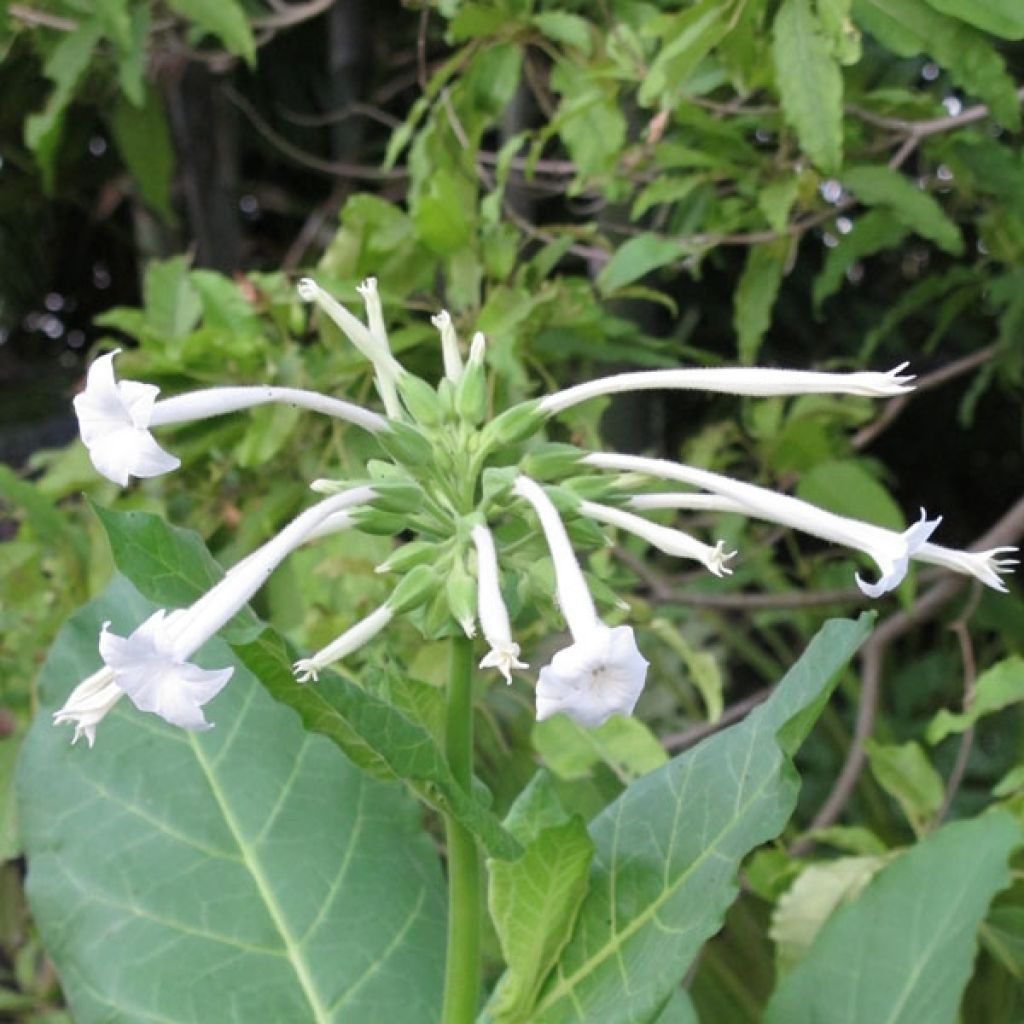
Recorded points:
(462, 968)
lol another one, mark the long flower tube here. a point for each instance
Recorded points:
(152, 666)
(602, 673)
(504, 651)
(115, 417)
(986, 566)
(753, 381)
(308, 669)
(891, 551)
(664, 538)
(449, 345)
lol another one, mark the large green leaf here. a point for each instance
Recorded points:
(901, 953)
(249, 873)
(810, 83)
(912, 27)
(173, 567)
(668, 849)
(906, 774)
(880, 186)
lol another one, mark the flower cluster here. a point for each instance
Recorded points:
(458, 480)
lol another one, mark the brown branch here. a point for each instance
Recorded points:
(30, 16)
(291, 14)
(1009, 528)
(333, 168)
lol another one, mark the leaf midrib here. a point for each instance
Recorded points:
(565, 986)
(291, 945)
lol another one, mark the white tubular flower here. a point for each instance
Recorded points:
(753, 381)
(89, 702)
(664, 538)
(309, 669)
(983, 565)
(504, 652)
(449, 345)
(602, 673)
(573, 594)
(371, 341)
(152, 664)
(114, 419)
(890, 550)
(688, 501)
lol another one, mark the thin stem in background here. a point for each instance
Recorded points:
(462, 966)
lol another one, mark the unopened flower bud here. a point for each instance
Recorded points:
(460, 588)
(405, 444)
(420, 399)
(552, 461)
(471, 390)
(515, 424)
(416, 552)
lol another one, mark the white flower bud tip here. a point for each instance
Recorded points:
(308, 289)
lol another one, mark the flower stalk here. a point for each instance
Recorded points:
(465, 902)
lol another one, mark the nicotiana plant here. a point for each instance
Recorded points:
(465, 487)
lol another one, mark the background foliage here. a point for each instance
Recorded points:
(822, 183)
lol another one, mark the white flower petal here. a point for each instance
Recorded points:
(983, 565)
(600, 675)
(113, 420)
(157, 681)
(89, 703)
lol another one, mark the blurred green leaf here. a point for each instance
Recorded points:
(1003, 18)
(902, 952)
(172, 305)
(996, 688)
(570, 751)
(809, 902)
(566, 28)
(907, 775)
(917, 210)
(637, 257)
(910, 28)
(145, 143)
(810, 83)
(224, 19)
(872, 232)
(756, 293)
(846, 487)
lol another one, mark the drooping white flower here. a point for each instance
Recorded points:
(753, 381)
(983, 565)
(600, 674)
(664, 538)
(152, 665)
(449, 345)
(890, 550)
(115, 417)
(504, 652)
(151, 668)
(309, 669)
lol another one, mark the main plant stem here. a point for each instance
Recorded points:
(462, 968)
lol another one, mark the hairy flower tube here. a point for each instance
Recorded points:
(602, 672)
(985, 566)
(891, 551)
(115, 417)
(461, 490)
